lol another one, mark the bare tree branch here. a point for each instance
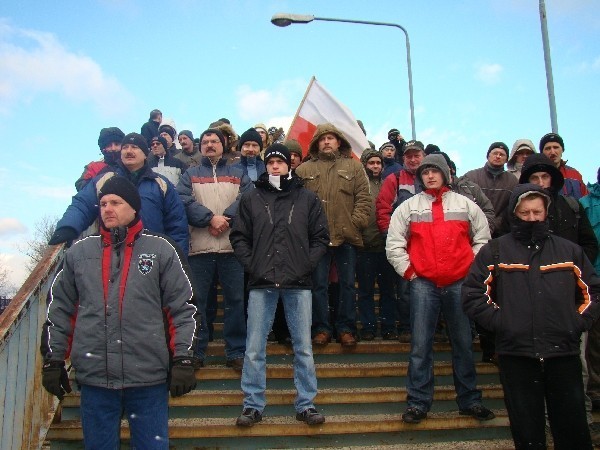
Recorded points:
(35, 248)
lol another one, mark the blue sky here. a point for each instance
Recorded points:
(70, 68)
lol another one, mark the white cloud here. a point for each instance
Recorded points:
(53, 192)
(589, 67)
(258, 105)
(488, 73)
(16, 268)
(10, 226)
(34, 62)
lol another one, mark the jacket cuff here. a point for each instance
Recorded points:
(408, 274)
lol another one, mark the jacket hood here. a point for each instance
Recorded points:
(539, 162)
(520, 144)
(439, 162)
(522, 190)
(324, 128)
(368, 154)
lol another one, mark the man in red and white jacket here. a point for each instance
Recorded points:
(432, 240)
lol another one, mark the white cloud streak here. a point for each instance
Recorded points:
(11, 226)
(488, 73)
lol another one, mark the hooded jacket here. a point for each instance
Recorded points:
(566, 217)
(342, 186)
(436, 233)
(279, 236)
(591, 206)
(541, 297)
(511, 165)
(373, 240)
(120, 306)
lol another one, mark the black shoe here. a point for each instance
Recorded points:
(389, 336)
(405, 337)
(311, 416)
(413, 415)
(197, 363)
(367, 335)
(287, 341)
(237, 363)
(479, 411)
(248, 418)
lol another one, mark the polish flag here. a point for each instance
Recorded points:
(319, 106)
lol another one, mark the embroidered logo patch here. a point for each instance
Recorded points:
(145, 263)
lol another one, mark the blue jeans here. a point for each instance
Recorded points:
(261, 312)
(371, 266)
(345, 261)
(146, 409)
(426, 301)
(231, 277)
(403, 296)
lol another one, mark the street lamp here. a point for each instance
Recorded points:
(548, 65)
(284, 20)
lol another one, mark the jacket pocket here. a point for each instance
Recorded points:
(312, 182)
(346, 182)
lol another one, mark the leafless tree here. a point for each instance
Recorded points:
(35, 248)
(6, 287)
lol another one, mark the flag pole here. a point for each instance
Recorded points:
(312, 80)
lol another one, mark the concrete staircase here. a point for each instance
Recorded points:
(361, 393)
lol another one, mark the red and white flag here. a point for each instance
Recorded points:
(319, 106)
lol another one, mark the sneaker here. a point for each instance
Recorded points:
(389, 336)
(236, 363)
(478, 411)
(367, 335)
(413, 415)
(311, 416)
(405, 337)
(248, 418)
(322, 338)
(347, 340)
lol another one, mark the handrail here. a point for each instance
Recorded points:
(27, 410)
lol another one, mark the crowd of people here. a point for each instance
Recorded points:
(506, 254)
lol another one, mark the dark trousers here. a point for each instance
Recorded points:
(528, 383)
(593, 360)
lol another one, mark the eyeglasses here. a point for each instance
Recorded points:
(156, 144)
(211, 141)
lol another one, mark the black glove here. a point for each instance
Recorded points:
(62, 234)
(55, 378)
(183, 377)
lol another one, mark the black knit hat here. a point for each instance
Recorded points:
(280, 151)
(214, 131)
(160, 139)
(187, 133)
(500, 145)
(431, 148)
(137, 140)
(551, 137)
(541, 163)
(122, 187)
(109, 135)
(167, 129)
(250, 135)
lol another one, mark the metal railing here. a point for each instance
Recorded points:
(27, 410)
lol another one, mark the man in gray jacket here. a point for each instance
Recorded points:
(121, 309)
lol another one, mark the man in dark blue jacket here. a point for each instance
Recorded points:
(279, 236)
(162, 211)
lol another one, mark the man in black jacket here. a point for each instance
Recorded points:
(279, 235)
(537, 292)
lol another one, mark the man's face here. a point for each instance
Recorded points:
(374, 165)
(167, 137)
(112, 147)
(531, 210)
(497, 157)
(158, 118)
(263, 135)
(329, 143)
(554, 151)
(295, 160)
(211, 146)
(250, 149)
(412, 159)
(522, 155)
(158, 149)
(115, 211)
(132, 156)
(388, 152)
(542, 179)
(432, 178)
(277, 166)
(187, 145)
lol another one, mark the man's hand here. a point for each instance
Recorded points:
(55, 378)
(220, 224)
(62, 234)
(183, 377)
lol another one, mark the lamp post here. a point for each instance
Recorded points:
(284, 19)
(548, 63)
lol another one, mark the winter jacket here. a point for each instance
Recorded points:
(208, 190)
(149, 130)
(190, 160)
(259, 165)
(574, 186)
(395, 189)
(497, 188)
(512, 166)
(342, 185)
(169, 167)
(466, 187)
(591, 206)
(279, 236)
(390, 166)
(435, 235)
(373, 240)
(162, 210)
(119, 307)
(539, 300)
